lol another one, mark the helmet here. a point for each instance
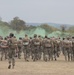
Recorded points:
(46, 36)
(35, 35)
(11, 35)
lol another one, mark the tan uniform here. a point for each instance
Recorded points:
(67, 49)
(4, 49)
(36, 48)
(58, 47)
(26, 45)
(47, 49)
(12, 43)
(73, 49)
(20, 45)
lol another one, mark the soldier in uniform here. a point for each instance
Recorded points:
(36, 47)
(31, 48)
(47, 49)
(58, 46)
(54, 48)
(12, 43)
(72, 48)
(67, 49)
(62, 46)
(26, 46)
(4, 48)
(19, 44)
(41, 48)
(0, 44)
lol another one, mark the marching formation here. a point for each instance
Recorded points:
(35, 48)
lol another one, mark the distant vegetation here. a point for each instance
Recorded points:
(71, 29)
(48, 28)
(19, 25)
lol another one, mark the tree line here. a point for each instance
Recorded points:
(18, 24)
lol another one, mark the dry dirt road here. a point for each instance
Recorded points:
(60, 67)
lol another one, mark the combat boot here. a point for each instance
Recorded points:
(9, 67)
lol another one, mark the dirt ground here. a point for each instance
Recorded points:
(60, 67)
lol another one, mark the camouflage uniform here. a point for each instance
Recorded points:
(31, 48)
(4, 49)
(63, 47)
(0, 47)
(58, 47)
(36, 48)
(26, 47)
(0, 44)
(47, 49)
(54, 48)
(72, 48)
(67, 49)
(12, 43)
(41, 47)
(20, 44)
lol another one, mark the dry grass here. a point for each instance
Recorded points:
(59, 67)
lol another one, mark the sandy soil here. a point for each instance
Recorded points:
(60, 67)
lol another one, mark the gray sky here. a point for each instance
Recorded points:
(55, 11)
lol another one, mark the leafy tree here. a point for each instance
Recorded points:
(48, 28)
(17, 24)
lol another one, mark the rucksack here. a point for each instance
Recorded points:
(12, 43)
(47, 43)
(19, 43)
(36, 42)
(25, 42)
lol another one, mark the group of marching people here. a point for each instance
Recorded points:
(35, 48)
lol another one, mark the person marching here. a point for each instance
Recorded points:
(12, 43)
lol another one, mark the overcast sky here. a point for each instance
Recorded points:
(54, 11)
